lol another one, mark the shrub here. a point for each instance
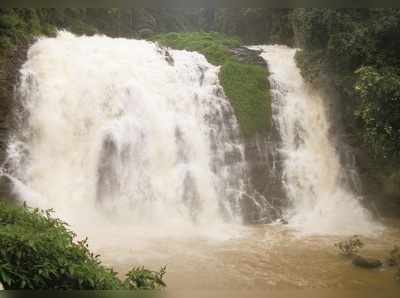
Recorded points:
(350, 247)
(379, 110)
(38, 251)
(141, 278)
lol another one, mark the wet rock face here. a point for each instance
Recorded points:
(266, 198)
(10, 70)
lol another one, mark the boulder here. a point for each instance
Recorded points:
(366, 262)
(1, 286)
(245, 55)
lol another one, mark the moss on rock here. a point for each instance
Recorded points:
(246, 86)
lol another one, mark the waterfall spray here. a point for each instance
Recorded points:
(124, 131)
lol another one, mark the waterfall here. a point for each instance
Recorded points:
(313, 178)
(125, 131)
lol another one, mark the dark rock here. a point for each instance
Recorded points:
(283, 221)
(248, 56)
(366, 262)
(169, 58)
(266, 194)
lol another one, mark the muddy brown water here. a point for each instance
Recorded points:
(264, 259)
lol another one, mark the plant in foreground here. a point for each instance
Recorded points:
(141, 278)
(38, 251)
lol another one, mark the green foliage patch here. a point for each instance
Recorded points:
(38, 251)
(213, 45)
(246, 85)
(380, 109)
(141, 278)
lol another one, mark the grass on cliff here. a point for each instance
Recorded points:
(214, 46)
(245, 84)
(38, 251)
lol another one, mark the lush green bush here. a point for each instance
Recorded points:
(141, 278)
(246, 85)
(38, 251)
(380, 109)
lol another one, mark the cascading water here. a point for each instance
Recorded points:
(124, 131)
(313, 178)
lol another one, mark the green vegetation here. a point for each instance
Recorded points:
(213, 45)
(380, 118)
(141, 278)
(252, 25)
(247, 87)
(245, 84)
(38, 251)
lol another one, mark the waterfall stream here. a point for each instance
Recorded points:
(128, 132)
(118, 132)
(317, 186)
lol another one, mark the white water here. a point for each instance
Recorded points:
(312, 174)
(122, 138)
(114, 136)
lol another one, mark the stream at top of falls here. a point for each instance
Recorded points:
(137, 147)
